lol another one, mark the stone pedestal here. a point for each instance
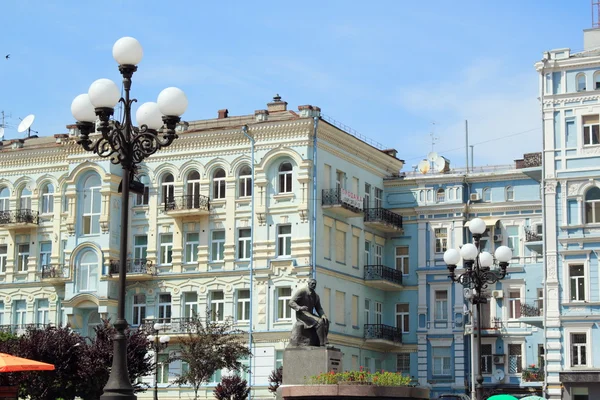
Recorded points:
(300, 363)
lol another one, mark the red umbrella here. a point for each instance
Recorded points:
(9, 363)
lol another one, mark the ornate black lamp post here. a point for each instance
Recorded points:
(158, 343)
(476, 276)
(127, 145)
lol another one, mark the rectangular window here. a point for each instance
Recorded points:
(3, 257)
(327, 242)
(486, 358)
(515, 358)
(19, 314)
(340, 180)
(45, 253)
(513, 240)
(284, 241)
(243, 305)
(402, 318)
(217, 246)
(192, 239)
(22, 257)
(340, 307)
(441, 360)
(141, 199)
(91, 211)
(244, 244)
(139, 309)
(166, 249)
(164, 308)
(140, 247)
(367, 311)
(354, 310)
(378, 255)
(403, 363)
(441, 305)
(367, 252)
(217, 306)
(47, 199)
(378, 198)
(578, 350)
(441, 240)
(577, 281)
(368, 364)
(378, 313)
(514, 304)
(402, 259)
(190, 304)
(367, 198)
(591, 130)
(340, 246)
(355, 250)
(245, 183)
(42, 310)
(284, 295)
(163, 368)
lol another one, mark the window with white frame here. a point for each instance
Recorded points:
(163, 368)
(367, 252)
(510, 193)
(440, 312)
(22, 257)
(217, 246)
(578, 349)
(378, 198)
(245, 182)
(284, 240)
(514, 303)
(441, 240)
(140, 248)
(486, 194)
(87, 279)
(515, 358)
(219, 184)
(402, 318)
(403, 363)
(539, 301)
(192, 190)
(217, 305)
(513, 240)
(367, 311)
(92, 205)
(402, 259)
(3, 257)
(244, 243)
(284, 295)
(4, 199)
(577, 282)
(378, 254)
(592, 206)
(580, 79)
(243, 305)
(440, 195)
(285, 178)
(19, 313)
(192, 240)
(378, 313)
(25, 199)
(441, 360)
(168, 189)
(45, 253)
(47, 199)
(190, 304)
(486, 358)
(367, 197)
(340, 180)
(141, 199)
(597, 80)
(591, 130)
(41, 313)
(164, 308)
(166, 249)
(139, 309)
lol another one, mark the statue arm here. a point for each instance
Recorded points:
(293, 303)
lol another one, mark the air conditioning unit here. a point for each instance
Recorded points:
(497, 294)
(474, 197)
(498, 238)
(498, 358)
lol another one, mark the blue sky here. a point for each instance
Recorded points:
(392, 70)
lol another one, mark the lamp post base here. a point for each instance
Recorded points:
(118, 386)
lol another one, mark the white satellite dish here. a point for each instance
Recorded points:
(499, 374)
(1, 133)
(432, 156)
(439, 163)
(423, 166)
(26, 123)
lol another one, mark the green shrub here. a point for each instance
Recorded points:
(378, 378)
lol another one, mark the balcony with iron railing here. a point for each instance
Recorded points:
(382, 277)
(383, 219)
(532, 314)
(140, 267)
(533, 240)
(187, 205)
(170, 326)
(20, 329)
(58, 273)
(342, 202)
(382, 337)
(18, 219)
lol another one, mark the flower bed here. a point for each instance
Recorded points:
(361, 377)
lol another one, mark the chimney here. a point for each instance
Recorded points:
(309, 111)
(591, 39)
(223, 113)
(277, 104)
(261, 115)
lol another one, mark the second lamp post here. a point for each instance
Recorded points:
(158, 343)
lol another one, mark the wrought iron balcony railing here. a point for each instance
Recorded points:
(528, 310)
(341, 197)
(19, 329)
(385, 332)
(169, 325)
(381, 272)
(383, 215)
(24, 216)
(54, 271)
(531, 236)
(134, 266)
(188, 202)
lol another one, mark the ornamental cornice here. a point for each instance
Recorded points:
(511, 206)
(568, 98)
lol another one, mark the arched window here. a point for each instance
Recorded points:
(581, 82)
(440, 195)
(141, 199)
(168, 189)
(193, 189)
(592, 206)
(486, 194)
(92, 205)
(219, 184)
(597, 80)
(245, 181)
(87, 277)
(47, 199)
(285, 177)
(510, 193)
(4, 194)
(25, 199)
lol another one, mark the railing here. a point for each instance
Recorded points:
(385, 332)
(188, 202)
(381, 272)
(494, 323)
(531, 236)
(530, 311)
(383, 215)
(333, 197)
(23, 216)
(21, 329)
(169, 325)
(133, 266)
(54, 271)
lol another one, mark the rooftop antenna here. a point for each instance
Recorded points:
(432, 135)
(595, 13)
(25, 125)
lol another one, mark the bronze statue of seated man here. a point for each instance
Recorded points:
(312, 325)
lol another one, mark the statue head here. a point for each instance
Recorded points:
(312, 284)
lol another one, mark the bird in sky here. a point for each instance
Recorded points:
(7, 56)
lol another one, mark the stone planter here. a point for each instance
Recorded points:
(352, 392)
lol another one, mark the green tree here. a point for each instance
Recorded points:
(209, 347)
